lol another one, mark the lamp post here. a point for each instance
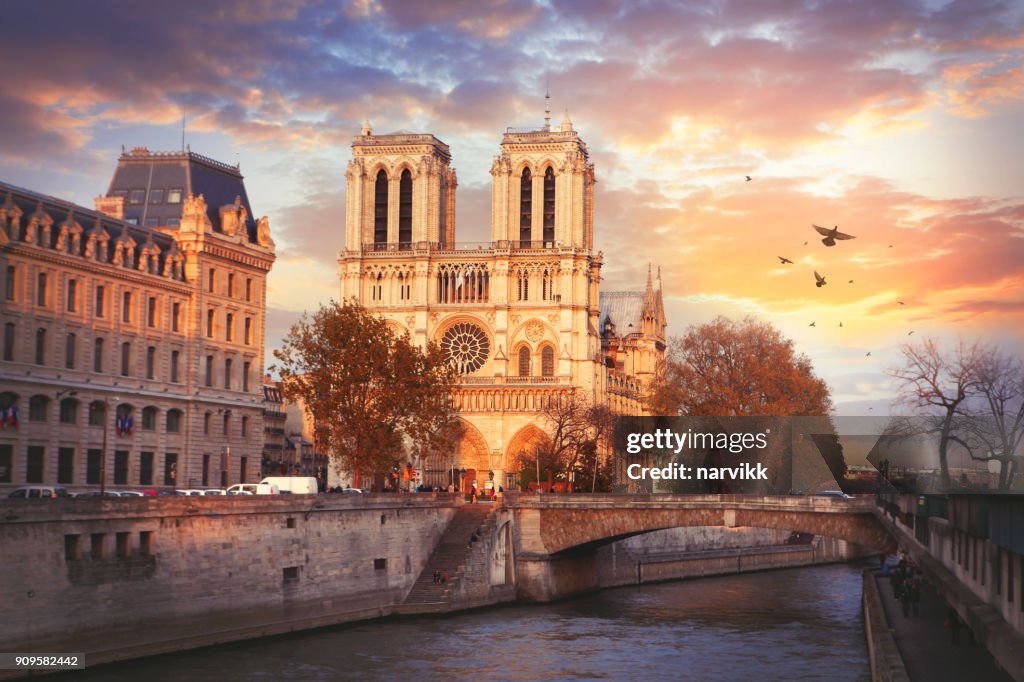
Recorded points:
(103, 450)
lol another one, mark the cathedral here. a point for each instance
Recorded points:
(521, 317)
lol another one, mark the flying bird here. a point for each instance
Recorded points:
(868, 355)
(890, 246)
(831, 235)
(901, 302)
(747, 177)
(851, 281)
(805, 243)
(820, 281)
(910, 334)
(811, 324)
(784, 260)
(840, 324)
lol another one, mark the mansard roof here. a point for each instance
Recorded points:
(141, 169)
(58, 212)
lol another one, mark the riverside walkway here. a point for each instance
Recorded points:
(926, 645)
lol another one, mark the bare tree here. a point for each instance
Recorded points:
(994, 425)
(939, 384)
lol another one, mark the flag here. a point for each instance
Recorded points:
(12, 415)
(129, 422)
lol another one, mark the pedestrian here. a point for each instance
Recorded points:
(915, 596)
(444, 577)
(437, 576)
(953, 623)
(905, 598)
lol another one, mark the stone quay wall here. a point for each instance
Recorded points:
(120, 578)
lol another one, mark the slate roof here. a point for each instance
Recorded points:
(141, 169)
(624, 308)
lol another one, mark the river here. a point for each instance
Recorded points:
(793, 624)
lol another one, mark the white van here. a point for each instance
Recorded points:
(296, 485)
(253, 489)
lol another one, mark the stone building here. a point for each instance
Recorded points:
(133, 333)
(521, 316)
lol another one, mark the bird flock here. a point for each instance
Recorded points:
(830, 237)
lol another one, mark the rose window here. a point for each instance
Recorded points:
(466, 346)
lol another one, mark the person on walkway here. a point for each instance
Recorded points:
(437, 576)
(953, 623)
(905, 597)
(915, 596)
(444, 577)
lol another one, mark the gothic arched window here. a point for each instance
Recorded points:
(549, 207)
(547, 362)
(380, 209)
(405, 210)
(524, 362)
(525, 208)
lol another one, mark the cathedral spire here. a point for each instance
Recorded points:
(547, 107)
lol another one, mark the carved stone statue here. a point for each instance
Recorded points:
(263, 232)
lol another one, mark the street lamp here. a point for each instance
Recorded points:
(103, 451)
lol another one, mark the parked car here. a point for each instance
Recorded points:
(834, 493)
(37, 492)
(132, 493)
(253, 489)
(352, 490)
(214, 491)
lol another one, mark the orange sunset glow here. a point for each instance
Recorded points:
(898, 121)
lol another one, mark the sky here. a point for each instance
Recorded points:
(900, 121)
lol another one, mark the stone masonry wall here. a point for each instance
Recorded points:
(120, 578)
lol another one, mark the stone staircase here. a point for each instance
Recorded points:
(454, 556)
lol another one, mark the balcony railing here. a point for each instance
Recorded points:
(519, 381)
(504, 245)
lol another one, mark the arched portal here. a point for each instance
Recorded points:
(522, 453)
(468, 451)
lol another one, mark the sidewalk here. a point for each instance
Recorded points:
(926, 646)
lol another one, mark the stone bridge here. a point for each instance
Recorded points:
(556, 536)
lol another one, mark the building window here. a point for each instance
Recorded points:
(248, 289)
(211, 280)
(231, 284)
(206, 424)
(126, 307)
(547, 362)
(206, 470)
(243, 470)
(226, 425)
(9, 283)
(97, 550)
(97, 355)
(146, 468)
(137, 196)
(229, 327)
(97, 413)
(246, 366)
(40, 346)
(149, 419)
(151, 362)
(38, 406)
(405, 208)
(100, 294)
(126, 358)
(525, 208)
(174, 196)
(171, 468)
(121, 540)
(72, 295)
(6, 462)
(34, 464)
(151, 312)
(377, 288)
(93, 458)
(380, 208)
(69, 411)
(209, 371)
(248, 331)
(522, 285)
(227, 373)
(69, 352)
(524, 362)
(65, 465)
(404, 287)
(549, 207)
(152, 222)
(71, 551)
(175, 315)
(9, 341)
(120, 467)
(245, 427)
(41, 289)
(146, 542)
(174, 421)
(156, 196)
(547, 286)
(174, 366)
(209, 323)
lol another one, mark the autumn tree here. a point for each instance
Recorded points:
(937, 384)
(373, 395)
(727, 368)
(995, 422)
(577, 432)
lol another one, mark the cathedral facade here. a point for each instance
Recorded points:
(521, 317)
